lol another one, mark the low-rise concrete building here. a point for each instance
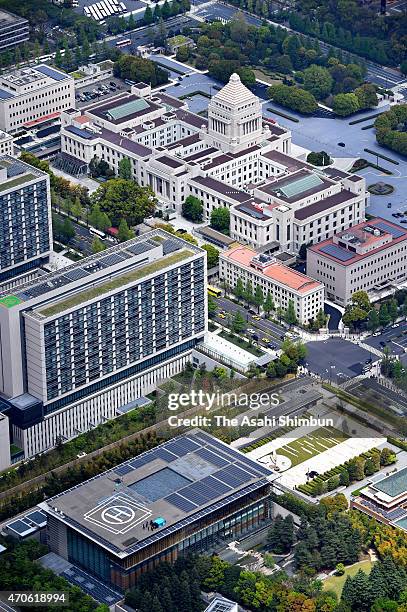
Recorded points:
(283, 283)
(369, 256)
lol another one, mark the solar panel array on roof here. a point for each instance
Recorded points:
(181, 503)
(50, 72)
(396, 232)
(337, 252)
(123, 469)
(92, 586)
(211, 457)
(15, 169)
(5, 95)
(37, 517)
(257, 214)
(300, 185)
(21, 527)
(140, 247)
(76, 274)
(111, 260)
(169, 246)
(82, 133)
(182, 446)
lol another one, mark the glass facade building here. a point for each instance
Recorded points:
(24, 218)
(119, 330)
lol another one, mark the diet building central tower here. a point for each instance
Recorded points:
(235, 118)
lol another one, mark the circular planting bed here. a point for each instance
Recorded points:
(380, 189)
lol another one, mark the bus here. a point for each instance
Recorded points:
(123, 43)
(214, 291)
(96, 232)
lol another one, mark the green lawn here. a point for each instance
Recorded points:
(312, 444)
(335, 583)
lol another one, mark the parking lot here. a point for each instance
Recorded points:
(394, 338)
(99, 90)
(336, 360)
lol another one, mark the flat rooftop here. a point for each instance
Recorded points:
(121, 264)
(345, 256)
(175, 483)
(123, 108)
(222, 188)
(10, 19)
(18, 173)
(275, 270)
(393, 485)
(257, 210)
(27, 76)
(296, 186)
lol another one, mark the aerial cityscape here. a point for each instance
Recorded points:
(203, 305)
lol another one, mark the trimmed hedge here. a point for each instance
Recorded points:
(309, 487)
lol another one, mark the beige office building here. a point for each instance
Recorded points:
(371, 257)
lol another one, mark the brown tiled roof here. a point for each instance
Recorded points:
(324, 204)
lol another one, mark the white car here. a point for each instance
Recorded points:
(396, 325)
(251, 330)
(376, 334)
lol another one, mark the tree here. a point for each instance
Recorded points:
(320, 158)
(268, 305)
(238, 28)
(367, 96)
(373, 320)
(355, 591)
(387, 457)
(290, 314)
(239, 289)
(384, 317)
(361, 299)
(212, 255)
(238, 323)
(318, 81)
(98, 219)
(125, 170)
(258, 298)
(393, 310)
(77, 209)
(123, 199)
(212, 307)
(97, 245)
(293, 97)
(248, 293)
(340, 569)
(192, 209)
(148, 15)
(345, 104)
(220, 219)
(124, 233)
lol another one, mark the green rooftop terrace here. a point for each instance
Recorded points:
(115, 283)
(9, 301)
(18, 180)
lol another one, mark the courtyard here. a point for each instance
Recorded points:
(336, 360)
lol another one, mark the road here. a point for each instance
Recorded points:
(263, 328)
(83, 238)
(380, 75)
(394, 338)
(142, 36)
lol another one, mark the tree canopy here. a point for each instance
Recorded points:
(123, 199)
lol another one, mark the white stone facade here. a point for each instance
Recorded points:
(30, 94)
